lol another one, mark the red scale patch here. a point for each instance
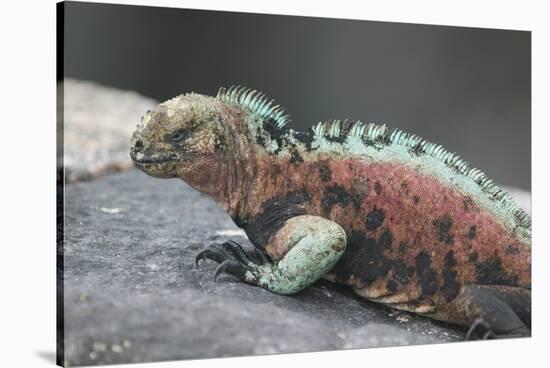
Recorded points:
(438, 218)
(401, 225)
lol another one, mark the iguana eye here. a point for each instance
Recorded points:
(177, 137)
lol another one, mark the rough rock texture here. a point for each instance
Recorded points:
(133, 294)
(95, 123)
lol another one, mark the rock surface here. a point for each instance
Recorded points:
(95, 125)
(133, 294)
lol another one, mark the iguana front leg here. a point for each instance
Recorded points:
(303, 250)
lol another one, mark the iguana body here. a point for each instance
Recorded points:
(400, 220)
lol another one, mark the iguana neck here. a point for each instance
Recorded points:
(237, 182)
(228, 180)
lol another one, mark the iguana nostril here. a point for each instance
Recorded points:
(139, 145)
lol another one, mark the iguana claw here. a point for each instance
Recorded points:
(489, 334)
(209, 254)
(231, 267)
(233, 259)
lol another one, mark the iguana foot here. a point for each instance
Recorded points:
(480, 329)
(495, 312)
(303, 250)
(234, 260)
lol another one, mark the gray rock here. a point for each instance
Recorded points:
(133, 294)
(96, 124)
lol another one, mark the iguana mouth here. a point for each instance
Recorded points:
(162, 165)
(141, 158)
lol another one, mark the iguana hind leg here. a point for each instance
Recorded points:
(303, 250)
(495, 311)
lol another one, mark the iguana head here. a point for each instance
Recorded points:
(183, 137)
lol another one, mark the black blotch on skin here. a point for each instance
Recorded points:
(295, 157)
(344, 132)
(472, 232)
(380, 142)
(417, 149)
(336, 195)
(450, 287)
(468, 204)
(260, 140)
(377, 187)
(416, 199)
(427, 277)
(402, 272)
(281, 136)
(473, 257)
(364, 259)
(386, 239)
(325, 172)
(275, 212)
(402, 247)
(306, 138)
(374, 219)
(443, 225)
(491, 272)
(337, 139)
(276, 133)
(511, 250)
(391, 286)
(450, 260)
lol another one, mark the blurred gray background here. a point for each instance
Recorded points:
(468, 89)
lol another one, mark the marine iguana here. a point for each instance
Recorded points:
(400, 220)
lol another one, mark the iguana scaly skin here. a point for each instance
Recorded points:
(400, 220)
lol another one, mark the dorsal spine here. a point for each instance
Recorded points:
(371, 134)
(256, 103)
(378, 135)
